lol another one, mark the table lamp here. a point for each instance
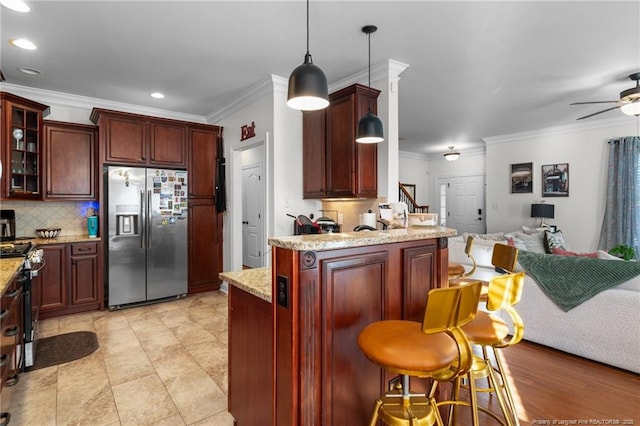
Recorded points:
(542, 211)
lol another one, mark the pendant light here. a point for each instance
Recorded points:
(451, 155)
(369, 126)
(308, 88)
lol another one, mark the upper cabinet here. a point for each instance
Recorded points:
(70, 152)
(203, 152)
(334, 164)
(21, 146)
(141, 140)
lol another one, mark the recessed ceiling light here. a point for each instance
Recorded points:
(23, 43)
(29, 70)
(157, 95)
(17, 5)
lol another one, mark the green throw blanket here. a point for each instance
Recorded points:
(568, 281)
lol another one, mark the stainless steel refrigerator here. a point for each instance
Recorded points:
(147, 241)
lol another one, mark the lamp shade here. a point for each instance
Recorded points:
(369, 129)
(542, 210)
(308, 88)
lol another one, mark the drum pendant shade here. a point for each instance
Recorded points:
(308, 88)
(369, 127)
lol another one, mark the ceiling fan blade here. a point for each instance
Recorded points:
(599, 112)
(594, 102)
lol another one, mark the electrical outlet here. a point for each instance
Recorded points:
(282, 288)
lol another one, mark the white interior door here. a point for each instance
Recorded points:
(465, 204)
(252, 217)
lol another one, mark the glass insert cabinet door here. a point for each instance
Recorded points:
(23, 143)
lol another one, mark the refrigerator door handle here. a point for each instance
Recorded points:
(149, 211)
(143, 219)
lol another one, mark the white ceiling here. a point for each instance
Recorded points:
(476, 69)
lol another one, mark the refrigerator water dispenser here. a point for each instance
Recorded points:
(126, 221)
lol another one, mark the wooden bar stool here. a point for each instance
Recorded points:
(490, 331)
(436, 349)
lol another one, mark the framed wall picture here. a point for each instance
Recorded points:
(522, 178)
(555, 180)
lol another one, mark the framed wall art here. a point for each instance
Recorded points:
(522, 178)
(555, 180)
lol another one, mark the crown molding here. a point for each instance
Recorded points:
(76, 101)
(557, 130)
(388, 69)
(270, 84)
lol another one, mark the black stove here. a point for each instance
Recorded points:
(14, 249)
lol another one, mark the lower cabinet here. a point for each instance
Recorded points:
(205, 246)
(250, 358)
(70, 281)
(321, 376)
(11, 319)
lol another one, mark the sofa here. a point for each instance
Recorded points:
(604, 328)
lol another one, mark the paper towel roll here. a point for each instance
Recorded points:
(368, 219)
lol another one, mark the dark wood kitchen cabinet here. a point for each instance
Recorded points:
(52, 280)
(83, 277)
(11, 337)
(141, 140)
(205, 246)
(70, 161)
(70, 281)
(334, 164)
(21, 147)
(203, 151)
(205, 222)
(250, 358)
(332, 295)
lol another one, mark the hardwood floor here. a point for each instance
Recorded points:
(141, 344)
(555, 388)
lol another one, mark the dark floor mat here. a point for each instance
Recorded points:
(64, 348)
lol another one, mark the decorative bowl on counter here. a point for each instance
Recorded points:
(48, 232)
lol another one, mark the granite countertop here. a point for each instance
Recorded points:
(61, 239)
(8, 269)
(255, 281)
(320, 242)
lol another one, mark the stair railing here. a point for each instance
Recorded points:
(407, 195)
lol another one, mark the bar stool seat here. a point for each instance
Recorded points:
(403, 348)
(437, 348)
(455, 270)
(486, 329)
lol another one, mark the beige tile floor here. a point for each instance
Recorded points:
(162, 364)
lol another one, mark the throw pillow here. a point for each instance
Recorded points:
(563, 252)
(554, 240)
(516, 242)
(532, 231)
(533, 242)
(496, 236)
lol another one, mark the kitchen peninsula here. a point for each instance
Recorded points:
(293, 327)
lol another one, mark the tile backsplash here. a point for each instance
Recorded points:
(70, 216)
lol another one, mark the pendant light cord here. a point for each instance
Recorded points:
(369, 94)
(307, 27)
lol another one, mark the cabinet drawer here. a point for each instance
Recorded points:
(84, 249)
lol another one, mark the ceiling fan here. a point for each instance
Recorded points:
(629, 101)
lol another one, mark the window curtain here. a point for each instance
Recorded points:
(621, 223)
